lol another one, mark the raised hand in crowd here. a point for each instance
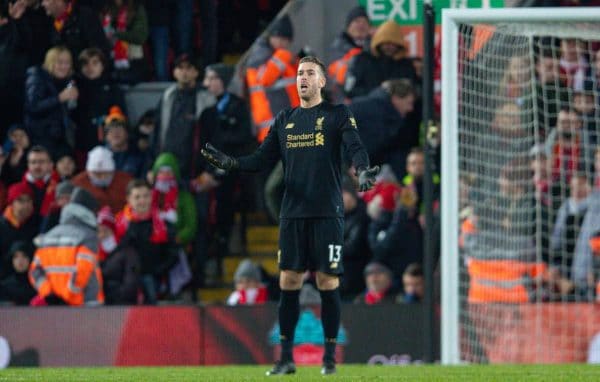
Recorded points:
(17, 9)
(70, 93)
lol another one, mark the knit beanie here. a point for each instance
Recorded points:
(17, 190)
(64, 188)
(225, 72)
(247, 269)
(282, 27)
(115, 114)
(355, 13)
(84, 198)
(100, 159)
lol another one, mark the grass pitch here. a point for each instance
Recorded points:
(345, 373)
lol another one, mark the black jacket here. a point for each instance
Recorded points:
(356, 249)
(356, 223)
(46, 119)
(155, 259)
(81, 30)
(228, 129)
(10, 234)
(17, 289)
(95, 99)
(39, 23)
(15, 41)
(120, 273)
(383, 130)
(12, 174)
(396, 240)
(366, 72)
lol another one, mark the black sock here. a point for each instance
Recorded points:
(330, 317)
(289, 311)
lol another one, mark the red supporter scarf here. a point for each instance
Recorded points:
(159, 227)
(119, 50)
(165, 201)
(48, 184)
(374, 297)
(59, 22)
(566, 159)
(259, 298)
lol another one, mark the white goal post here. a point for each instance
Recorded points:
(523, 22)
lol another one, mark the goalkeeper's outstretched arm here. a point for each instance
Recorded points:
(265, 156)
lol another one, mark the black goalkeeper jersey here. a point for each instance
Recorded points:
(309, 141)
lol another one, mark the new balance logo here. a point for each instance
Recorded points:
(289, 126)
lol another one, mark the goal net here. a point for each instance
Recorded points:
(521, 210)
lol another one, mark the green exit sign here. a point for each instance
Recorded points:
(410, 12)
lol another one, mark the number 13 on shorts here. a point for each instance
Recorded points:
(335, 253)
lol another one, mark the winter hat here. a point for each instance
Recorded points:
(64, 188)
(377, 267)
(84, 198)
(282, 27)
(247, 269)
(115, 114)
(100, 159)
(355, 13)
(17, 190)
(225, 72)
(106, 218)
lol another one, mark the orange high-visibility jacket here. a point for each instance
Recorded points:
(271, 85)
(337, 69)
(497, 275)
(66, 263)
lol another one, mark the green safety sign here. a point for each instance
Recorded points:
(410, 12)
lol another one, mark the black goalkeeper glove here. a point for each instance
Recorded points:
(366, 178)
(218, 158)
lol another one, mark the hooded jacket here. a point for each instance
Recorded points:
(186, 224)
(66, 264)
(368, 70)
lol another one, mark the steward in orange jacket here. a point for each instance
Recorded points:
(271, 76)
(65, 266)
(502, 267)
(348, 44)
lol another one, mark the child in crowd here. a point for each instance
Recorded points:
(249, 289)
(16, 288)
(139, 225)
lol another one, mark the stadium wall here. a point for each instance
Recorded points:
(213, 335)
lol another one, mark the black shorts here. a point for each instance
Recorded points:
(312, 243)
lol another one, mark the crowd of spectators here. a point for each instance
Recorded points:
(529, 193)
(100, 209)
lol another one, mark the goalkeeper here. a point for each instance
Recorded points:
(308, 140)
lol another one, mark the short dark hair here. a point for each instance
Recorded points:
(315, 60)
(40, 150)
(136, 183)
(87, 54)
(399, 87)
(413, 269)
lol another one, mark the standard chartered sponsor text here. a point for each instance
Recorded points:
(300, 140)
